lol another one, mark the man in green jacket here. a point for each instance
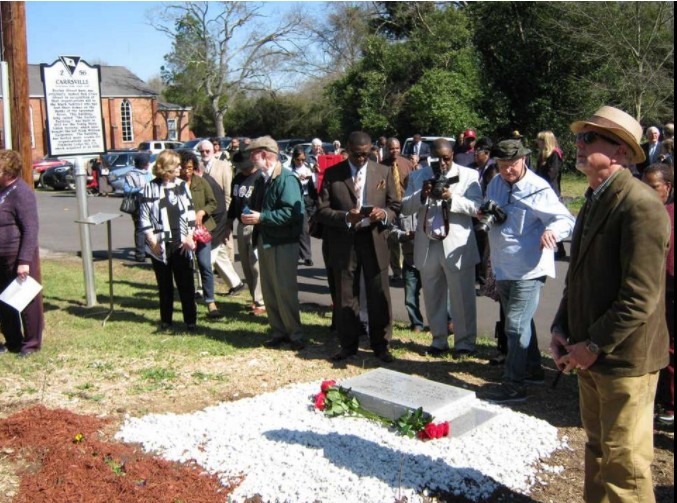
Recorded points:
(277, 212)
(610, 325)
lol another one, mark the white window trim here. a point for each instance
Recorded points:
(122, 120)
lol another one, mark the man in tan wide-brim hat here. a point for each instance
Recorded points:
(610, 325)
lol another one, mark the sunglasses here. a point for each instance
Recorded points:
(590, 137)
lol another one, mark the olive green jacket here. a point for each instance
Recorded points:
(203, 199)
(615, 287)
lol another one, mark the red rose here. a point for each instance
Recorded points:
(446, 429)
(432, 430)
(326, 385)
(319, 401)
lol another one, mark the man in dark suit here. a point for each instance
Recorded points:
(420, 149)
(652, 149)
(610, 325)
(357, 201)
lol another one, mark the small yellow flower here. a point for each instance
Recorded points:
(79, 437)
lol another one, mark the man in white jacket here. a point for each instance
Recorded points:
(445, 250)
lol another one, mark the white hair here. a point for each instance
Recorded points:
(652, 129)
(316, 141)
(205, 143)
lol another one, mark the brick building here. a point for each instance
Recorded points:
(132, 112)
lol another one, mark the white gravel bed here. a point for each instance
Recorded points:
(291, 453)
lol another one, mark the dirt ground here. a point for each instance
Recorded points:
(43, 458)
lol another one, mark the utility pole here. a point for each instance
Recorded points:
(14, 51)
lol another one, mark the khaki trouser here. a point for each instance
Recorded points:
(617, 414)
(278, 266)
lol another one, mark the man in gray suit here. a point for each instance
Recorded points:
(358, 201)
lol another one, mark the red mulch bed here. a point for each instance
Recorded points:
(67, 458)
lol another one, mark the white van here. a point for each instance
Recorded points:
(157, 146)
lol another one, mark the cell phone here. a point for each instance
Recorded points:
(365, 211)
(246, 210)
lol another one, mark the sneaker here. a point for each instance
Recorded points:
(505, 393)
(666, 419)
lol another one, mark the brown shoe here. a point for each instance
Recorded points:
(258, 310)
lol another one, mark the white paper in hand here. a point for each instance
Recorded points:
(19, 294)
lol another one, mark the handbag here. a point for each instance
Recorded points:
(202, 235)
(315, 228)
(130, 203)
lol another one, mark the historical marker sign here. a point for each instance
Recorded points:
(73, 98)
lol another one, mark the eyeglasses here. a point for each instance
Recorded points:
(445, 158)
(589, 137)
(204, 151)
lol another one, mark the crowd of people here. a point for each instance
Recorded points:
(452, 220)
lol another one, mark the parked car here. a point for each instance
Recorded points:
(157, 146)
(119, 163)
(287, 145)
(191, 144)
(429, 140)
(41, 165)
(308, 147)
(58, 178)
(285, 160)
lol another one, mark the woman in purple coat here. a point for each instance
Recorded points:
(19, 256)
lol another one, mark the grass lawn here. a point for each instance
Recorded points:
(129, 367)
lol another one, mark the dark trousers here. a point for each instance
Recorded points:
(139, 238)
(32, 319)
(363, 260)
(331, 281)
(180, 268)
(412, 295)
(304, 241)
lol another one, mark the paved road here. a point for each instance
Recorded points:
(59, 233)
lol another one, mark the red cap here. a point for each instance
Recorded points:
(469, 133)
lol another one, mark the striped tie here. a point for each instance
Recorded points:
(398, 183)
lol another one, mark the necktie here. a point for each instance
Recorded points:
(396, 177)
(359, 184)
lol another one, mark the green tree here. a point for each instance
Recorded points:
(221, 50)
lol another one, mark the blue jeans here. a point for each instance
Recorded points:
(520, 301)
(412, 294)
(204, 262)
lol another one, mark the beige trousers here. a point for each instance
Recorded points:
(617, 414)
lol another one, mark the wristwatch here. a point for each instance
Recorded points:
(593, 348)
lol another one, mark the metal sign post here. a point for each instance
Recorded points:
(75, 127)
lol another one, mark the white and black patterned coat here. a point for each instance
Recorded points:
(154, 219)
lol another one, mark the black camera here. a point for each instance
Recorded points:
(440, 182)
(492, 214)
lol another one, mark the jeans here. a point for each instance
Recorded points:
(204, 262)
(139, 238)
(520, 301)
(412, 293)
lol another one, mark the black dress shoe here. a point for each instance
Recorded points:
(235, 289)
(435, 352)
(308, 263)
(464, 353)
(385, 356)
(297, 345)
(275, 342)
(344, 354)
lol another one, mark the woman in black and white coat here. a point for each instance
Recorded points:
(167, 219)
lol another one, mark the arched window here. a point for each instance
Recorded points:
(126, 116)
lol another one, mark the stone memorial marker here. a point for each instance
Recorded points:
(391, 394)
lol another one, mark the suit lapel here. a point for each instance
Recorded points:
(347, 176)
(604, 206)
